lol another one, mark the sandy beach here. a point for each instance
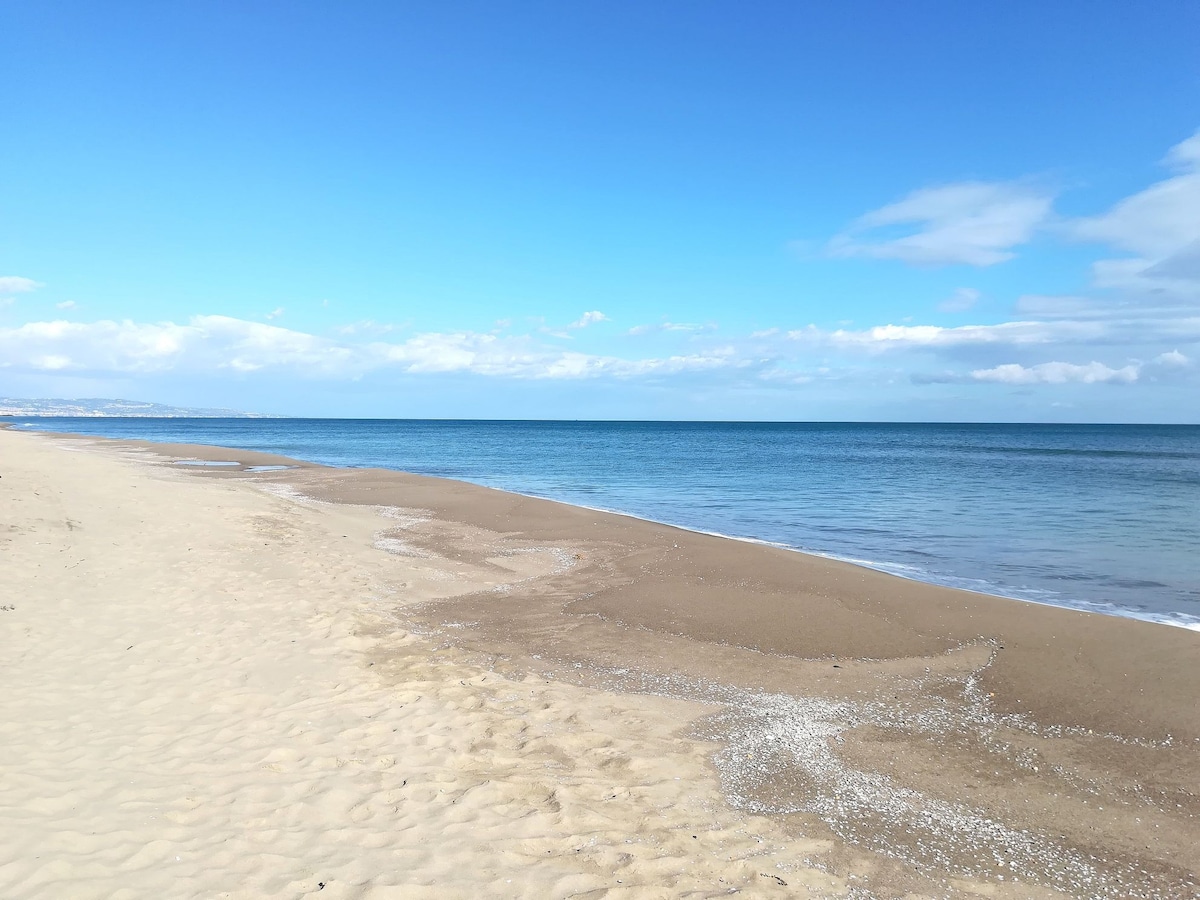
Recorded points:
(361, 683)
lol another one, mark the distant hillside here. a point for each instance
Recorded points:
(98, 408)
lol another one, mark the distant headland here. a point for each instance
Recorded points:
(104, 408)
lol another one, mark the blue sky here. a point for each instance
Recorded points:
(874, 211)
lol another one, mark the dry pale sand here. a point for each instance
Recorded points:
(222, 683)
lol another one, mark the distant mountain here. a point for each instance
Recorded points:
(96, 408)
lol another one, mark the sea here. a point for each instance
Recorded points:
(1103, 518)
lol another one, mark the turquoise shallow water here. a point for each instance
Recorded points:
(1101, 517)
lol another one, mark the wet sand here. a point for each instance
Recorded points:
(888, 738)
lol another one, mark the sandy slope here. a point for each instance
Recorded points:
(205, 696)
(218, 686)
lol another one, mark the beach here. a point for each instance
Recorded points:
(364, 683)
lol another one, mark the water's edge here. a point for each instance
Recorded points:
(583, 459)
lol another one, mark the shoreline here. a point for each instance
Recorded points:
(837, 569)
(884, 568)
(966, 584)
(845, 704)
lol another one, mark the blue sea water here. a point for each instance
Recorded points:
(1098, 517)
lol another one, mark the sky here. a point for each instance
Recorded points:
(930, 211)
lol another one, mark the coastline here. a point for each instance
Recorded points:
(995, 551)
(901, 685)
(884, 568)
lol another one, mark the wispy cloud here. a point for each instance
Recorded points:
(589, 318)
(1131, 335)
(1027, 353)
(521, 356)
(1158, 221)
(1160, 230)
(1058, 373)
(365, 326)
(66, 304)
(687, 327)
(884, 338)
(960, 301)
(1168, 366)
(1049, 306)
(15, 284)
(970, 223)
(563, 332)
(215, 344)
(204, 344)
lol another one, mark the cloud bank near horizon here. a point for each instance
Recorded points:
(1138, 324)
(214, 345)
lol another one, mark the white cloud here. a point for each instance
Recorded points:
(52, 363)
(1058, 373)
(960, 301)
(1030, 351)
(365, 326)
(589, 318)
(1150, 281)
(275, 313)
(1159, 220)
(15, 284)
(212, 344)
(670, 326)
(1185, 154)
(890, 337)
(205, 343)
(1160, 229)
(972, 223)
(465, 351)
(521, 357)
(1029, 340)
(66, 304)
